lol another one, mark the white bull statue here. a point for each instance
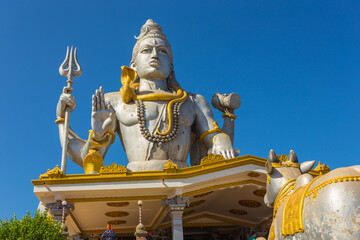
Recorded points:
(324, 207)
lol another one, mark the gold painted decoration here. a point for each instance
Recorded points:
(92, 162)
(250, 203)
(116, 214)
(211, 158)
(169, 166)
(116, 222)
(128, 94)
(272, 233)
(214, 130)
(282, 158)
(113, 168)
(203, 194)
(283, 194)
(117, 204)
(253, 174)
(195, 203)
(260, 193)
(284, 162)
(292, 219)
(322, 168)
(187, 212)
(237, 212)
(54, 173)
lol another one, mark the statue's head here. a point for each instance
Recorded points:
(152, 56)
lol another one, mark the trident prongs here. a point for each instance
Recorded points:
(70, 68)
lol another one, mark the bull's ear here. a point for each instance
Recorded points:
(268, 167)
(307, 166)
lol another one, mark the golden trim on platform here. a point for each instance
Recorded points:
(211, 158)
(188, 172)
(54, 173)
(170, 167)
(113, 168)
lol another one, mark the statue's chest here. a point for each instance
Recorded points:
(128, 113)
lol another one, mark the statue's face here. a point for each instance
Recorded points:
(153, 59)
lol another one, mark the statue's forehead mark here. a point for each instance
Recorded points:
(154, 42)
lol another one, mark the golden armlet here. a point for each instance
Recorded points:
(213, 140)
(59, 120)
(232, 116)
(96, 144)
(214, 130)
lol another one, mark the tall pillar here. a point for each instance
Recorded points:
(176, 207)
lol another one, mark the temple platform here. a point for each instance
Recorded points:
(226, 195)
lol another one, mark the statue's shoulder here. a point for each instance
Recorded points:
(198, 100)
(113, 97)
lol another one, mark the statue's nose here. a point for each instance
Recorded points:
(154, 54)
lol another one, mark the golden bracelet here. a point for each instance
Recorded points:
(96, 144)
(230, 115)
(59, 120)
(214, 130)
(213, 140)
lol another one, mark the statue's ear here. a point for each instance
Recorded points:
(132, 65)
(307, 166)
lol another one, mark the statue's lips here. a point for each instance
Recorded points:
(154, 63)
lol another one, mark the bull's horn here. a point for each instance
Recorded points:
(272, 157)
(292, 157)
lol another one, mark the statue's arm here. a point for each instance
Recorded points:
(218, 142)
(75, 142)
(103, 122)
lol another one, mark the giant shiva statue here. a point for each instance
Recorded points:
(154, 117)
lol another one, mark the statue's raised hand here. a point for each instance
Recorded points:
(102, 116)
(66, 100)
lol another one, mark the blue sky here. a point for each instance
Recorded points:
(295, 65)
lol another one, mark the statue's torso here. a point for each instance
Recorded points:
(139, 149)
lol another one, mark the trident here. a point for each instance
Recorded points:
(70, 68)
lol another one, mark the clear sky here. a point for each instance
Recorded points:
(295, 65)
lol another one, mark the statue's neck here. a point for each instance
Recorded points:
(152, 85)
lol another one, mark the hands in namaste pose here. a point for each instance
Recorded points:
(102, 115)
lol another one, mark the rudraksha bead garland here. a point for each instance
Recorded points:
(156, 138)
